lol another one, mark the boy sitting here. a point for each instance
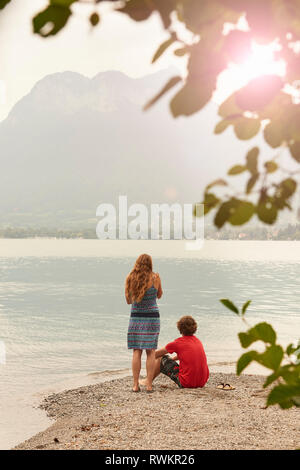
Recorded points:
(192, 370)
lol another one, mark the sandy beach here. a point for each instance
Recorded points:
(108, 416)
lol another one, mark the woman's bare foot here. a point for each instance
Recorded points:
(149, 386)
(143, 382)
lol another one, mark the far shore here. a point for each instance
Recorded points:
(231, 250)
(108, 416)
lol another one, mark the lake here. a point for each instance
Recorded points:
(63, 316)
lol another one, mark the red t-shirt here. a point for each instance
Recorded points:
(193, 369)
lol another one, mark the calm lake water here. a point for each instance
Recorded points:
(63, 314)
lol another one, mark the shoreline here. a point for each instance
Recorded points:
(247, 250)
(108, 416)
(29, 405)
(37, 420)
(209, 239)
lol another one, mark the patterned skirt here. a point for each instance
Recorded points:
(143, 332)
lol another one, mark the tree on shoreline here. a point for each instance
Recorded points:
(223, 32)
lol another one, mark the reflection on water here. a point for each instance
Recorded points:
(62, 317)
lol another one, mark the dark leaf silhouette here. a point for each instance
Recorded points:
(259, 92)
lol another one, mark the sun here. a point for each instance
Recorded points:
(260, 61)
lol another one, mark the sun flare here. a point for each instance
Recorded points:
(261, 61)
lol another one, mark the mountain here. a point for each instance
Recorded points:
(74, 142)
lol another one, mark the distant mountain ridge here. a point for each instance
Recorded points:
(74, 142)
(70, 91)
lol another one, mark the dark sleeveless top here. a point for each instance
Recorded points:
(147, 306)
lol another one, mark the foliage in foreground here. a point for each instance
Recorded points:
(283, 362)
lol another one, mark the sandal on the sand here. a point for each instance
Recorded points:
(136, 391)
(150, 391)
(228, 387)
(220, 386)
(225, 387)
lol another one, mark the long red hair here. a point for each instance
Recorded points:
(138, 280)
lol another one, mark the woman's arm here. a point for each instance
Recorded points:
(127, 292)
(158, 286)
(160, 353)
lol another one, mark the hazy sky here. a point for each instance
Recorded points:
(116, 44)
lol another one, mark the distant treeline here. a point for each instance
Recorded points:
(31, 232)
(289, 232)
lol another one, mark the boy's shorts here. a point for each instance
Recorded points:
(170, 368)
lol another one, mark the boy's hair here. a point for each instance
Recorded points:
(187, 325)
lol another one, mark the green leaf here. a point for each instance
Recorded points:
(251, 183)
(221, 126)
(237, 169)
(204, 66)
(218, 182)
(94, 19)
(266, 210)
(252, 159)
(163, 47)
(260, 332)
(230, 305)
(295, 150)
(226, 210)
(271, 378)
(182, 51)
(210, 201)
(273, 133)
(198, 16)
(246, 339)
(191, 98)
(56, 16)
(272, 357)
(242, 213)
(62, 3)
(137, 10)
(245, 360)
(3, 3)
(291, 349)
(170, 84)
(245, 306)
(284, 395)
(283, 192)
(271, 166)
(259, 92)
(246, 128)
(164, 9)
(290, 373)
(229, 108)
(286, 188)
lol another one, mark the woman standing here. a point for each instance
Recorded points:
(142, 288)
